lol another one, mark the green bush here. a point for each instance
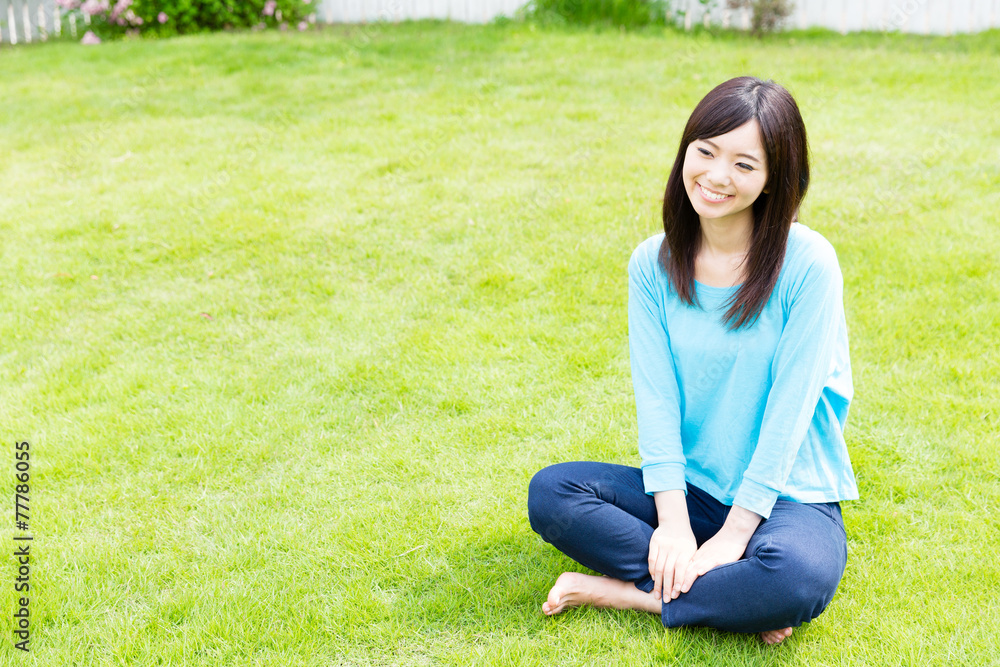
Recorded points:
(110, 19)
(619, 13)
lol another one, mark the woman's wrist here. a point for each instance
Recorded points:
(671, 510)
(741, 523)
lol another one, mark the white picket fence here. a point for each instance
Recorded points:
(32, 20)
(943, 17)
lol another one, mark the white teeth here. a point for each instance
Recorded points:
(711, 195)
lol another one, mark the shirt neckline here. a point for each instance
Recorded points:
(711, 289)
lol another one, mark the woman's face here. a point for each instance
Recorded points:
(724, 175)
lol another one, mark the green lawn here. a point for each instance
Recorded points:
(290, 320)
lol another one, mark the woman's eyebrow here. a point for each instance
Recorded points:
(746, 155)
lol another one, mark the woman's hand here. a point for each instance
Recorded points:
(670, 550)
(726, 546)
(671, 546)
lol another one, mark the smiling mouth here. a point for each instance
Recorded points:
(710, 195)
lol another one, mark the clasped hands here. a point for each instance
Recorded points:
(676, 561)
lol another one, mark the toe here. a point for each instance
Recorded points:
(776, 636)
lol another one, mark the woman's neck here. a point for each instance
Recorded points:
(725, 239)
(722, 253)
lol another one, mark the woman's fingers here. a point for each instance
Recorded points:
(668, 558)
(718, 550)
(663, 574)
(680, 572)
(656, 562)
(694, 570)
(668, 576)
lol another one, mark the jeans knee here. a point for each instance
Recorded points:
(808, 577)
(547, 508)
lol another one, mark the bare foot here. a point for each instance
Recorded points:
(776, 636)
(573, 589)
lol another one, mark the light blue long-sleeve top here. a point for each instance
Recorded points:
(752, 415)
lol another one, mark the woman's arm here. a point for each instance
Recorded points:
(654, 380)
(657, 399)
(799, 371)
(811, 340)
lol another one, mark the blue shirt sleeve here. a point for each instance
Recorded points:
(657, 397)
(801, 366)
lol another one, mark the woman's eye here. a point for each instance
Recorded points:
(744, 165)
(704, 152)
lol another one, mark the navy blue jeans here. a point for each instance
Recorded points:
(599, 515)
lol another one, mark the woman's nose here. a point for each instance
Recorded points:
(719, 176)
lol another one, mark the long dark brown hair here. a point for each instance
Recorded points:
(783, 135)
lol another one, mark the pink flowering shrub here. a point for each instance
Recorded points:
(115, 18)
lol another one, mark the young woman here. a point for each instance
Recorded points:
(742, 382)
